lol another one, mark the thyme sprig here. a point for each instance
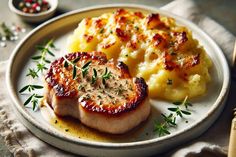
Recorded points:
(41, 60)
(7, 31)
(170, 120)
(33, 98)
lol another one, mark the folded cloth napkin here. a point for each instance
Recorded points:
(211, 144)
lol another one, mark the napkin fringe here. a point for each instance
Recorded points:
(9, 128)
(201, 148)
(12, 137)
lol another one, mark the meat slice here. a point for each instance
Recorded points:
(98, 92)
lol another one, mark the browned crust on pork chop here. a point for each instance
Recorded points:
(114, 99)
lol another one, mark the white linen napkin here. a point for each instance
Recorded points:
(23, 144)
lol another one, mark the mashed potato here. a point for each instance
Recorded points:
(173, 64)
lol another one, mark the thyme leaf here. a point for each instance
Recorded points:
(85, 68)
(76, 60)
(74, 72)
(28, 100)
(94, 77)
(66, 64)
(36, 57)
(106, 76)
(186, 112)
(24, 88)
(47, 61)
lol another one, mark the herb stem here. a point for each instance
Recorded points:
(69, 62)
(33, 72)
(170, 120)
(45, 50)
(73, 65)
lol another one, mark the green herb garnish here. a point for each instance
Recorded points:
(7, 31)
(76, 60)
(34, 99)
(73, 63)
(85, 68)
(94, 77)
(41, 67)
(161, 128)
(106, 76)
(66, 64)
(33, 72)
(179, 111)
(74, 72)
(185, 103)
(30, 88)
(41, 59)
(170, 120)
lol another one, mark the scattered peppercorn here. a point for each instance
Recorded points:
(34, 6)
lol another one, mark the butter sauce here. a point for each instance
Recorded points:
(73, 127)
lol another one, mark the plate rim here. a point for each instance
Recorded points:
(220, 99)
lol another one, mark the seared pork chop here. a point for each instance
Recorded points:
(98, 92)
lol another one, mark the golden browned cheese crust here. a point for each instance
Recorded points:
(153, 46)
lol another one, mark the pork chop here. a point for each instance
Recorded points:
(98, 92)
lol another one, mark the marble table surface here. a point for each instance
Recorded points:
(222, 11)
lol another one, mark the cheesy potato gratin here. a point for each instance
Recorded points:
(154, 47)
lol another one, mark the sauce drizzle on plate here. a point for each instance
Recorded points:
(75, 128)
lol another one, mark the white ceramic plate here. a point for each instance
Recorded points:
(205, 110)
